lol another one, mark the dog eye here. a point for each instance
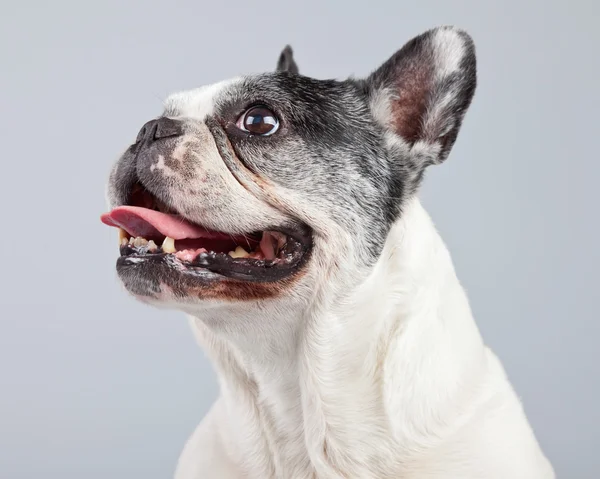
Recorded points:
(258, 120)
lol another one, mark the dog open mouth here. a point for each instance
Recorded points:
(150, 232)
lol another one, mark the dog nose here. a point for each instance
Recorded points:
(160, 128)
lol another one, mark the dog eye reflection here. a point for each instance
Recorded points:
(258, 120)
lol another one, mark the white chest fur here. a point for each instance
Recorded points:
(392, 381)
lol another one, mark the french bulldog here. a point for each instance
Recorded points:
(280, 213)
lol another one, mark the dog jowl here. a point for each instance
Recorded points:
(256, 186)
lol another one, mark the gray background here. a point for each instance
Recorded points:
(95, 385)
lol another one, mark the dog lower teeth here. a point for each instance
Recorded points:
(138, 241)
(239, 253)
(271, 248)
(168, 245)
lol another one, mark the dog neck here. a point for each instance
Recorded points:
(371, 372)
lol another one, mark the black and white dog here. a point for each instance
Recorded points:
(280, 213)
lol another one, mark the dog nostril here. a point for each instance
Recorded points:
(160, 128)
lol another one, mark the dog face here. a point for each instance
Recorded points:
(274, 186)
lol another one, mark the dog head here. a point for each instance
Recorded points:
(274, 186)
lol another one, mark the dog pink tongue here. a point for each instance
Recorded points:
(150, 224)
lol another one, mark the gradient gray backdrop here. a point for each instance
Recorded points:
(94, 385)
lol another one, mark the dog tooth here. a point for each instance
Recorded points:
(152, 247)
(131, 240)
(168, 245)
(239, 253)
(123, 236)
(139, 241)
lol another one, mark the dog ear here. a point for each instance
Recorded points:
(422, 92)
(286, 61)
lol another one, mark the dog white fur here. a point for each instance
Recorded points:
(401, 386)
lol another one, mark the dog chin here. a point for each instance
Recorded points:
(169, 284)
